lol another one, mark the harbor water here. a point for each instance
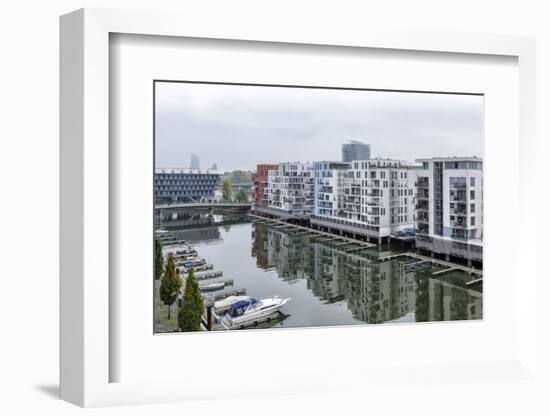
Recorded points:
(328, 286)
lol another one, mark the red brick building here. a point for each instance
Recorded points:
(260, 182)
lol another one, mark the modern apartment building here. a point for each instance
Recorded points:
(449, 207)
(378, 200)
(330, 180)
(259, 180)
(355, 150)
(185, 185)
(290, 189)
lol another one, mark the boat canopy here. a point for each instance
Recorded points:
(238, 308)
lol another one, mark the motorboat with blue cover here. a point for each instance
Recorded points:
(251, 312)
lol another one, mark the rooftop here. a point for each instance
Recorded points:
(451, 159)
(189, 171)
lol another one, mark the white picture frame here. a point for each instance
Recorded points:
(86, 356)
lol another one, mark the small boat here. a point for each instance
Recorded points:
(222, 306)
(185, 257)
(251, 312)
(191, 263)
(185, 270)
(188, 250)
(211, 286)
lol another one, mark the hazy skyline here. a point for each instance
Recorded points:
(237, 127)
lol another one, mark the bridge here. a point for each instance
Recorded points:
(208, 205)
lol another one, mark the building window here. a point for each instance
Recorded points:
(472, 194)
(472, 220)
(472, 181)
(472, 207)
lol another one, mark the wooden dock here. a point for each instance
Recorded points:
(474, 282)
(394, 256)
(209, 275)
(185, 270)
(173, 243)
(354, 249)
(444, 271)
(321, 236)
(204, 286)
(443, 263)
(222, 294)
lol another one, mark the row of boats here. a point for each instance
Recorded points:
(235, 311)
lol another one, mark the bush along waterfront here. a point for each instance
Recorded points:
(190, 312)
(170, 284)
(158, 259)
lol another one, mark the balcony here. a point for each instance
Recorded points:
(352, 208)
(459, 224)
(423, 229)
(375, 202)
(352, 200)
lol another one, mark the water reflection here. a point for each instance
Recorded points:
(187, 219)
(373, 291)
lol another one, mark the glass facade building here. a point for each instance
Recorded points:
(355, 150)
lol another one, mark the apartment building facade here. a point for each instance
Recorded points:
(185, 185)
(330, 178)
(378, 199)
(449, 207)
(290, 189)
(259, 180)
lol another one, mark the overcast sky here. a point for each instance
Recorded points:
(237, 127)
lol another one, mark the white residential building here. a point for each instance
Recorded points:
(450, 207)
(329, 184)
(378, 199)
(290, 189)
(380, 195)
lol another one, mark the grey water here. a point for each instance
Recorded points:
(329, 287)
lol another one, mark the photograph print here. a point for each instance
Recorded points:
(298, 206)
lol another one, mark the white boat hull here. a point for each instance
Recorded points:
(261, 311)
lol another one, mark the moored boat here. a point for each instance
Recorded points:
(191, 263)
(251, 312)
(222, 306)
(211, 286)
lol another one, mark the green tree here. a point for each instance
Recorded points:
(242, 196)
(170, 283)
(227, 189)
(241, 176)
(190, 312)
(158, 259)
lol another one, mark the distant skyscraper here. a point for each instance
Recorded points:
(195, 162)
(355, 150)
